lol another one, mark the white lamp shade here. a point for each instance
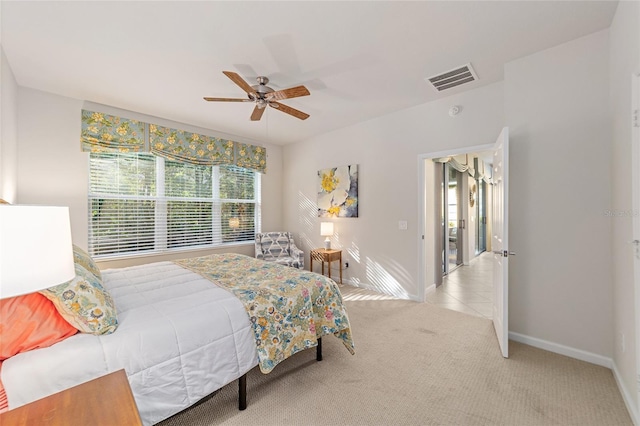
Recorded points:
(35, 249)
(326, 229)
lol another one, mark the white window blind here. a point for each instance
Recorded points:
(140, 203)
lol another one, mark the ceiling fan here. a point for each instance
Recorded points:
(263, 95)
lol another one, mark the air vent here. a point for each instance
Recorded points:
(453, 78)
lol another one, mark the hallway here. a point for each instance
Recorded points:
(467, 289)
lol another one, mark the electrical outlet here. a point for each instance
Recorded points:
(346, 265)
(622, 342)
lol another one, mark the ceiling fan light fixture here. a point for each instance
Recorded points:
(263, 95)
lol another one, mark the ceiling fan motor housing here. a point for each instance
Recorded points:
(261, 88)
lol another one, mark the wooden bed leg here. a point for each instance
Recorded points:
(319, 350)
(242, 392)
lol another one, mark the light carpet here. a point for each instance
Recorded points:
(418, 364)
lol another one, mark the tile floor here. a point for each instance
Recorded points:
(467, 289)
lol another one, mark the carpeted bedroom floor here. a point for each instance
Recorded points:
(418, 364)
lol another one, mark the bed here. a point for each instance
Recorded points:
(187, 328)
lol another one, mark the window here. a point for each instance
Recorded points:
(141, 203)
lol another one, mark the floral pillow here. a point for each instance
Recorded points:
(84, 303)
(83, 258)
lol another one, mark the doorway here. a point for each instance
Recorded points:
(459, 186)
(431, 242)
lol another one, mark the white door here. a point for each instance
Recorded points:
(500, 241)
(635, 185)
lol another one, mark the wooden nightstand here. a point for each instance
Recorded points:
(105, 401)
(324, 255)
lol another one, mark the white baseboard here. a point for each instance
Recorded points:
(430, 289)
(629, 399)
(562, 350)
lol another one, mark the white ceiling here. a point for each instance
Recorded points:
(359, 59)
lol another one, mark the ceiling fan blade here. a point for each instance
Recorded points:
(226, 99)
(240, 82)
(293, 92)
(287, 109)
(256, 115)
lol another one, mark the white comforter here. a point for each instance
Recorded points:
(180, 338)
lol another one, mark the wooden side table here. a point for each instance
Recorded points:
(105, 401)
(324, 255)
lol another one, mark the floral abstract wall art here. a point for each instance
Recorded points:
(338, 192)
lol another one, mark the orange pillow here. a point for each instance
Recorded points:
(29, 322)
(4, 402)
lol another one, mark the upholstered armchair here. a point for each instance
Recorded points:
(279, 247)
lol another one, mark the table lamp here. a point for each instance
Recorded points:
(36, 249)
(326, 230)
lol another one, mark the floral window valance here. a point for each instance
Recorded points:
(250, 156)
(186, 147)
(108, 133)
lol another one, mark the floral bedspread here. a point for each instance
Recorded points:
(288, 308)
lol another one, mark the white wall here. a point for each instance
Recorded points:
(557, 109)
(556, 103)
(386, 150)
(624, 59)
(8, 131)
(53, 170)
